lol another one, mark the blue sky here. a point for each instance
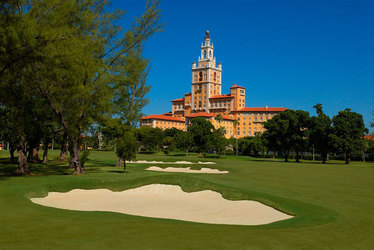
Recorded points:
(291, 54)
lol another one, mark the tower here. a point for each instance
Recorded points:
(206, 77)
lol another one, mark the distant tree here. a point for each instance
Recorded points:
(218, 142)
(126, 148)
(286, 131)
(349, 130)
(201, 131)
(252, 145)
(320, 132)
(168, 144)
(171, 132)
(184, 141)
(149, 138)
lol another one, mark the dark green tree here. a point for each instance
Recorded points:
(126, 148)
(286, 131)
(320, 132)
(149, 138)
(201, 131)
(184, 141)
(349, 130)
(218, 142)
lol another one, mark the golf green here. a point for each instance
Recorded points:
(332, 204)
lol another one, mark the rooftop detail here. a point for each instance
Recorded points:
(178, 100)
(260, 109)
(221, 96)
(163, 117)
(236, 86)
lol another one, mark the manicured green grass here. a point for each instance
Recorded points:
(333, 206)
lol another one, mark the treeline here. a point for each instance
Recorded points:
(67, 67)
(295, 130)
(200, 137)
(290, 132)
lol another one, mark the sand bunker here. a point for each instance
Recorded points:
(188, 170)
(176, 162)
(166, 201)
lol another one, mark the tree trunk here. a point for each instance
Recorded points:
(23, 168)
(35, 155)
(286, 156)
(314, 158)
(119, 162)
(64, 148)
(74, 161)
(186, 152)
(45, 151)
(297, 157)
(124, 166)
(11, 152)
(324, 157)
(347, 158)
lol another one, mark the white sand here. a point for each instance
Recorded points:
(166, 201)
(171, 162)
(188, 170)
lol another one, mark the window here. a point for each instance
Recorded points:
(210, 53)
(215, 76)
(200, 76)
(204, 53)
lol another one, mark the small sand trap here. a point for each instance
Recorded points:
(188, 170)
(171, 162)
(166, 201)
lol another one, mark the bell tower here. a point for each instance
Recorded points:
(206, 77)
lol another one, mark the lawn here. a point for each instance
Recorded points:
(333, 205)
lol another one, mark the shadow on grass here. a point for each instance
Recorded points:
(8, 169)
(292, 161)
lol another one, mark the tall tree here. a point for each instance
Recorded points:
(184, 141)
(349, 130)
(126, 148)
(201, 131)
(320, 132)
(77, 72)
(286, 131)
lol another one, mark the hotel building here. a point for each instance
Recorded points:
(207, 101)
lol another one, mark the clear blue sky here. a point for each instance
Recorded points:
(291, 54)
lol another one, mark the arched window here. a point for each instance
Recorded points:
(204, 53)
(210, 53)
(215, 76)
(200, 76)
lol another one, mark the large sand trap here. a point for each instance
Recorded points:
(166, 201)
(188, 170)
(170, 162)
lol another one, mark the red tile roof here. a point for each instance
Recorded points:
(178, 100)
(221, 96)
(162, 117)
(168, 114)
(226, 117)
(265, 109)
(369, 137)
(200, 114)
(187, 94)
(236, 86)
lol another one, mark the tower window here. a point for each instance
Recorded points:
(200, 76)
(215, 76)
(204, 53)
(210, 53)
